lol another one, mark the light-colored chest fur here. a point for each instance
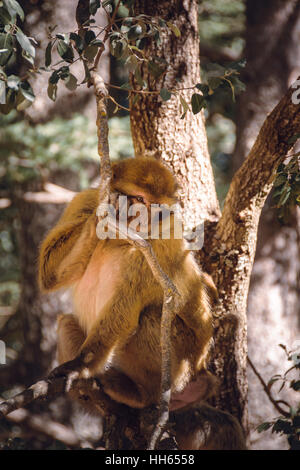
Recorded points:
(98, 284)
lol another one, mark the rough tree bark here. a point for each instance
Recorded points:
(156, 127)
(274, 300)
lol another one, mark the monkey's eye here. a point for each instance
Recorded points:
(140, 199)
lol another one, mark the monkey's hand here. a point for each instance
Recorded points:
(71, 371)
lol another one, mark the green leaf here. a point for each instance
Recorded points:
(48, 54)
(14, 8)
(62, 36)
(174, 28)
(117, 48)
(64, 72)
(184, 104)
(263, 427)
(65, 51)
(97, 42)
(27, 91)
(203, 88)
(52, 91)
(285, 196)
(89, 36)
(94, 5)
(5, 17)
(282, 426)
(135, 32)
(165, 94)
(198, 102)
(54, 77)
(295, 385)
(79, 44)
(25, 43)
(71, 82)
(6, 42)
(22, 103)
(90, 52)
(28, 57)
(132, 63)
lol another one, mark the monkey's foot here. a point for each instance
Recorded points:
(71, 370)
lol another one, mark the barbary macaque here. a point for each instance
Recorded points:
(114, 331)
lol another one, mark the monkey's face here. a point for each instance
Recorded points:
(143, 185)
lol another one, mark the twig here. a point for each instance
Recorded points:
(267, 391)
(171, 304)
(60, 384)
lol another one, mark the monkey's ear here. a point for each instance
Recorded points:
(113, 170)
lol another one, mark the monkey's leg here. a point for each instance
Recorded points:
(68, 247)
(123, 390)
(70, 337)
(115, 384)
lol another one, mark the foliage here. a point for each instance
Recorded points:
(15, 49)
(289, 424)
(128, 36)
(221, 23)
(287, 185)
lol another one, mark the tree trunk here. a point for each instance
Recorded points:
(182, 143)
(273, 58)
(157, 129)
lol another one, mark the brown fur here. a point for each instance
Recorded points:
(117, 301)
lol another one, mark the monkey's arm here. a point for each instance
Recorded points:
(68, 247)
(117, 322)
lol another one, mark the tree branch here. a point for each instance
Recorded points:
(266, 389)
(237, 228)
(60, 384)
(230, 245)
